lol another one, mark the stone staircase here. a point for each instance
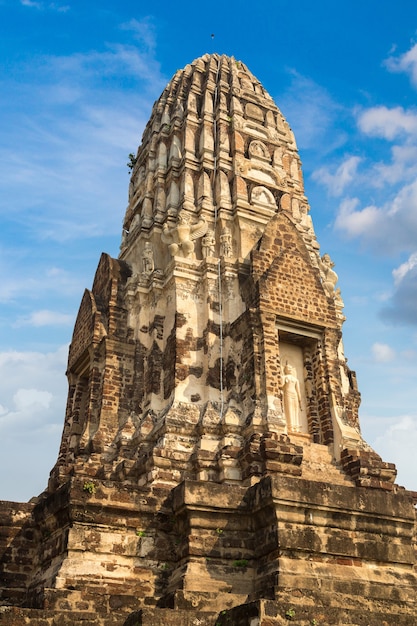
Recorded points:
(319, 464)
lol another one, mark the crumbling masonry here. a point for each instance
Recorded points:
(212, 469)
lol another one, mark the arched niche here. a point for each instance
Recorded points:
(258, 150)
(263, 196)
(301, 348)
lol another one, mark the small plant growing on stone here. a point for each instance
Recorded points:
(240, 563)
(219, 531)
(290, 614)
(141, 533)
(89, 487)
(131, 162)
(314, 622)
(221, 613)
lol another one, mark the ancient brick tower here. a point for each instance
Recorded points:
(212, 469)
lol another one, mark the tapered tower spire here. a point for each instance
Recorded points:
(219, 285)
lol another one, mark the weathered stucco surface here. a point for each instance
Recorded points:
(212, 469)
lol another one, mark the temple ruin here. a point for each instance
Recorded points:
(212, 470)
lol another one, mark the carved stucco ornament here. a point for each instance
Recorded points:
(330, 277)
(180, 238)
(148, 264)
(208, 244)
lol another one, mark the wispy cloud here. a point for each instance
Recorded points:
(312, 113)
(383, 353)
(400, 273)
(143, 31)
(404, 63)
(390, 228)
(32, 4)
(32, 391)
(402, 307)
(54, 6)
(378, 195)
(32, 400)
(344, 174)
(356, 221)
(389, 225)
(35, 282)
(78, 133)
(45, 318)
(117, 60)
(401, 168)
(35, 406)
(67, 126)
(388, 123)
(397, 443)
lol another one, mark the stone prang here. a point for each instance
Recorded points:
(212, 470)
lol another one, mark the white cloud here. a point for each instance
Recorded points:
(61, 8)
(45, 318)
(397, 444)
(356, 222)
(402, 168)
(388, 123)
(37, 367)
(42, 5)
(389, 225)
(391, 228)
(143, 30)
(32, 4)
(312, 113)
(32, 281)
(33, 391)
(89, 68)
(67, 126)
(402, 307)
(402, 212)
(78, 133)
(382, 353)
(33, 400)
(401, 272)
(405, 63)
(344, 174)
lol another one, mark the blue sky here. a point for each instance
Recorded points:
(78, 81)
